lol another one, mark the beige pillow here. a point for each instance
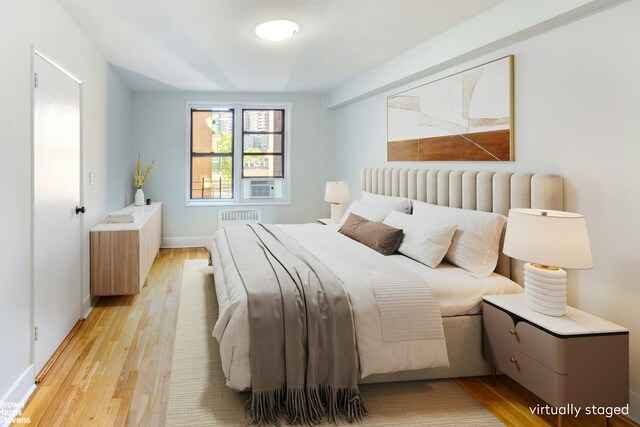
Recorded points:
(379, 237)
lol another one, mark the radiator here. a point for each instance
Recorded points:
(227, 217)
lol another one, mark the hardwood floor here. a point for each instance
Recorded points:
(115, 370)
(510, 403)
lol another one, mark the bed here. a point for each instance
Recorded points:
(457, 293)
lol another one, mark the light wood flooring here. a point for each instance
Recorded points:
(510, 403)
(115, 370)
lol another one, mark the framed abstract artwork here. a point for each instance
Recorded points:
(466, 116)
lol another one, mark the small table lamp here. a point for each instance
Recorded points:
(549, 241)
(336, 193)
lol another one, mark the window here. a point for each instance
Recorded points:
(237, 153)
(211, 154)
(262, 143)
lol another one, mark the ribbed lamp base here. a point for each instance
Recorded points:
(337, 210)
(545, 290)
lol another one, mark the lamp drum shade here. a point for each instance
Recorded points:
(549, 238)
(336, 192)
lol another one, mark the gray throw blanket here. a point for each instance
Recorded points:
(303, 349)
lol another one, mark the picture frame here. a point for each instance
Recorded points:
(467, 116)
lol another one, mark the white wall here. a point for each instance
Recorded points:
(160, 132)
(106, 136)
(577, 102)
(506, 23)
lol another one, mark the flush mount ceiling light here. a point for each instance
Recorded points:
(276, 31)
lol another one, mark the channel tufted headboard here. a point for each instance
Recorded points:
(482, 191)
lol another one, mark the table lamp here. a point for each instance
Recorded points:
(336, 193)
(547, 241)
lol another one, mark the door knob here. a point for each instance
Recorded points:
(80, 210)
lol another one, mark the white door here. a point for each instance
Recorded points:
(57, 244)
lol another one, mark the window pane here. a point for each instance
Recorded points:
(262, 143)
(211, 131)
(261, 165)
(263, 120)
(212, 177)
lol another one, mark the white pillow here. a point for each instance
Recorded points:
(476, 243)
(424, 240)
(400, 204)
(366, 211)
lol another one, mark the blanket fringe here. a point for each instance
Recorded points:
(265, 407)
(305, 405)
(343, 402)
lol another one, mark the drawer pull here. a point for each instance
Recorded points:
(514, 360)
(513, 331)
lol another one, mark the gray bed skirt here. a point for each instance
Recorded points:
(464, 345)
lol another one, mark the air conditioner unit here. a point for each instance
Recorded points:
(261, 189)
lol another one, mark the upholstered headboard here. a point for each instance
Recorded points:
(482, 191)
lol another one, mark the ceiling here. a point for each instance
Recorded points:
(210, 45)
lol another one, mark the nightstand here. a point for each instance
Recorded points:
(325, 221)
(576, 359)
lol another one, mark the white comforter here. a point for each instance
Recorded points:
(379, 290)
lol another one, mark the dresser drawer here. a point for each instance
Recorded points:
(548, 385)
(536, 343)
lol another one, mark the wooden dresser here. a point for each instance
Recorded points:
(122, 254)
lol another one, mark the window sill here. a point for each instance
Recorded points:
(241, 202)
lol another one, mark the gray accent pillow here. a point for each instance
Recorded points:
(379, 237)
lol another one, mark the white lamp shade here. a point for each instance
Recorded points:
(550, 238)
(336, 192)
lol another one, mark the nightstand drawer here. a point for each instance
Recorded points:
(548, 385)
(536, 343)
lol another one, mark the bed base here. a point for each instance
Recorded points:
(464, 345)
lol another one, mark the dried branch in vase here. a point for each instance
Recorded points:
(140, 178)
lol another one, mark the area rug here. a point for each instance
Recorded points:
(198, 395)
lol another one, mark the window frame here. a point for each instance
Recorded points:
(193, 154)
(272, 154)
(238, 152)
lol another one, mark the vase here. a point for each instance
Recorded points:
(139, 199)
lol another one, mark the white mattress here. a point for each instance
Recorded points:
(458, 292)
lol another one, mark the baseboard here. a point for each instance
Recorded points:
(186, 242)
(87, 311)
(634, 406)
(15, 398)
(87, 306)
